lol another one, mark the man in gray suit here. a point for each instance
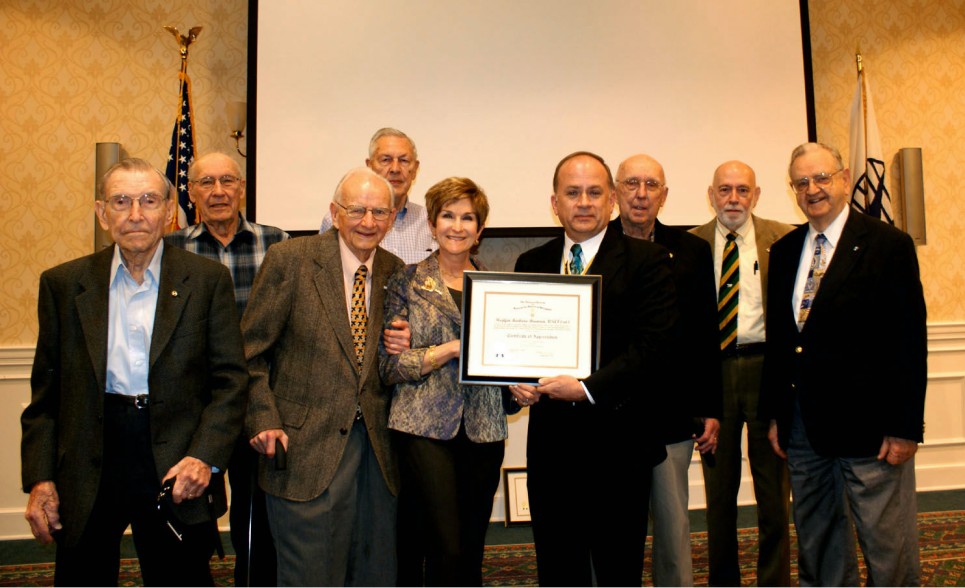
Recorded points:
(742, 300)
(311, 338)
(139, 377)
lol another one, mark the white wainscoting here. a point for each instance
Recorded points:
(940, 464)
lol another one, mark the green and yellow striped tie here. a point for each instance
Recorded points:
(729, 294)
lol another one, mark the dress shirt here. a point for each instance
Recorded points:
(750, 313)
(350, 265)
(130, 325)
(242, 256)
(833, 235)
(409, 237)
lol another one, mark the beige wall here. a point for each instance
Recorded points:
(71, 77)
(914, 53)
(74, 73)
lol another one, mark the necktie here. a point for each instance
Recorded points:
(359, 316)
(576, 262)
(728, 296)
(819, 264)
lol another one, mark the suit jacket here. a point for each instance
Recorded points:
(301, 358)
(638, 317)
(434, 405)
(766, 232)
(197, 379)
(692, 386)
(859, 365)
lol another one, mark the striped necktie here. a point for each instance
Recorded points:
(728, 296)
(819, 264)
(359, 315)
(576, 262)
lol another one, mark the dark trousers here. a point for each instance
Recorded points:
(249, 513)
(445, 501)
(128, 496)
(742, 384)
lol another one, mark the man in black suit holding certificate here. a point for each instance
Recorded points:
(592, 443)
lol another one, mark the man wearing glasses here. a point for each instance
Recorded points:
(393, 155)
(216, 188)
(689, 407)
(139, 378)
(741, 242)
(311, 338)
(844, 380)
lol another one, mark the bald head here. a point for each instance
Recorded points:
(733, 193)
(641, 192)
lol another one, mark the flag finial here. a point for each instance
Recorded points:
(857, 59)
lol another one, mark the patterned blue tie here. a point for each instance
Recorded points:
(576, 260)
(819, 264)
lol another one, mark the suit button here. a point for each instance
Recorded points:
(343, 431)
(798, 349)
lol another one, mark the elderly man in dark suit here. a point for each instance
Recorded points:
(741, 241)
(844, 380)
(139, 378)
(689, 390)
(311, 338)
(592, 443)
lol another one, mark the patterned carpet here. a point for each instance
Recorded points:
(942, 558)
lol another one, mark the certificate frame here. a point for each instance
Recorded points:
(520, 327)
(516, 495)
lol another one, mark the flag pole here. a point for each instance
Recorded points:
(182, 140)
(859, 63)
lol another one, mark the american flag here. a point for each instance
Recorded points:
(181, 155)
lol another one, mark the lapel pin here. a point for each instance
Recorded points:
(856, 248)
(174, 293)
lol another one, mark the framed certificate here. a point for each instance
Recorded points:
(518, 328)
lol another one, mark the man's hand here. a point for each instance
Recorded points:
(707, 442)
(896, 450)
(775, 444)
(397, 338)
(565, 388)
(193, 477)
(43, 511)
(524, 394)
(264, 442)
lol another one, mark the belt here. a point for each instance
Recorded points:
(139, 401)
(743, 350)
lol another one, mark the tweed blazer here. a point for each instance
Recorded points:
(434, 405)
(302, 362)
(197, 379)
(766, 232)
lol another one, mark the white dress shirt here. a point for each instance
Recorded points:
(750, 305)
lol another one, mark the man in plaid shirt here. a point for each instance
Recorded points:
(216, 187)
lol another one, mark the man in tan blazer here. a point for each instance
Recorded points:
(733, 195)
(311, 339)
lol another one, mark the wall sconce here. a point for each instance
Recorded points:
(237, 120)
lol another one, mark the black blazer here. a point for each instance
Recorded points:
(692, 387)
(638, 317)
(197, 379)
(859, 366)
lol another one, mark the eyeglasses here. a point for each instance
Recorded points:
(634, 184)
(386, 161)
(358, 212)
(822, 180)
(123, 202)
(164, 507)
(227, 182)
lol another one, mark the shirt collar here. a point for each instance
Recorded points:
(833, 231)
(200, 228)
(590, 247)
(152, 273)
(742, 231)
(350, 263)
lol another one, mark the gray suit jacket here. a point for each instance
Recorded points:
(766, 232)
(301, 358)
(197, 379)
(434, 405)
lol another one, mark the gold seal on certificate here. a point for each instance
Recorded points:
(521, 327)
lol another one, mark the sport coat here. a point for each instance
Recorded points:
(638, 317)
(434, 405)
(766, 232)
(859, 365)
(197, 379)
(692, 386)
(302, 362)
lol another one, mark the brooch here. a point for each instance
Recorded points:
(429, 284)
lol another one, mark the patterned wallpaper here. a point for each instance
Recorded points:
(914, 54)
(75, 72)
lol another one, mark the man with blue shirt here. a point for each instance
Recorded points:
(138, 394)
(393, 155)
